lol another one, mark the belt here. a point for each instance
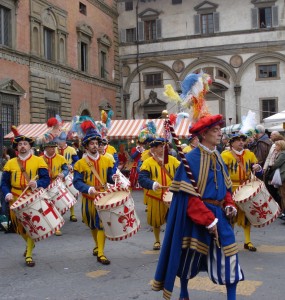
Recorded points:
(16, 188)
(214, 202)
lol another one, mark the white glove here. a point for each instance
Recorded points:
(92, 191)
(156, 186)
(9, 197)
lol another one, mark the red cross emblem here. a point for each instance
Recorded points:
(50, 209)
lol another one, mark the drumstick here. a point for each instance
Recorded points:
(27, 187)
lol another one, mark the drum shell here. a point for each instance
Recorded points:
(62, 198)
(69, 185)
(259, 207)
(117, 212)
(37, 214)
(167, 198)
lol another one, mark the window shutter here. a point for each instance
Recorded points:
(254, 18)
(197, 28)
(141, 31)
(216, 17)
(158, 29)
(275, 21)
(123, 36)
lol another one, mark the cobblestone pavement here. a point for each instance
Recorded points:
(66, 269)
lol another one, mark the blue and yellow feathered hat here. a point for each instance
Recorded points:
(91, 133)
(237, 136)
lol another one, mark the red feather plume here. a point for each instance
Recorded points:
(172, 119)
(15, 130)
(87, 125)
(52, 122)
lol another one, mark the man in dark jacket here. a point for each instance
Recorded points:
(262, 146)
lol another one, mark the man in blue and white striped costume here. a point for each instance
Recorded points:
(199, 236)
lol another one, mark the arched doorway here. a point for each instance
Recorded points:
(85, 112)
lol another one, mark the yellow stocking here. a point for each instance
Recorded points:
(246, 231)
(30, 246)
(156, 231)
(72, 213)
(101, 242)
(94, 234)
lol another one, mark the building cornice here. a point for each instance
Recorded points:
(54, 68)
(206, 51)
(105, 8)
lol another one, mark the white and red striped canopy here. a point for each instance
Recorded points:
(33, 130)
(120, 129)
(130, 129)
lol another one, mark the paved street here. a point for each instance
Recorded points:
(66, 269)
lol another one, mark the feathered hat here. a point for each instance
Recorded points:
(19, 137)
(158, 141)
(237, 136)
(147, 133)
(89, 128)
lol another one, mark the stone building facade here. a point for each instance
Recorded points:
(241, 44)
(58, 57)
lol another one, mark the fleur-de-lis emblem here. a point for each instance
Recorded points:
(127, 219)
(260, 211)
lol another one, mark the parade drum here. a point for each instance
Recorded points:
(60, 196)
(37, 214)
(69, 185)
(116, 210)
(123, 181)
(259, 207)
(167, 198)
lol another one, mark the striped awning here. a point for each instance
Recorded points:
(120, 129)
(130, 129)
(33, 130)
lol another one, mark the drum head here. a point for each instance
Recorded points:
(110, 199)
(246, 191)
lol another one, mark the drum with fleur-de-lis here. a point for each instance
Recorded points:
(259, 207)
(37, 214)
(116, 210)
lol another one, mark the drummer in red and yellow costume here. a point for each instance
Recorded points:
(18, 174)
(91, 174)
(57, 165)
(70, 154)
(136, 153)
(155, 177)
(240, 163)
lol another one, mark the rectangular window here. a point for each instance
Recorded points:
(150, 30)
(7, 117)
(82, 8)
(176, 1)
(153, 80)
(268, 71)
(268, 107)
(103, 62)
(130, 35)
(5, 26)
(129, 5)
(83, 58)
(48, 43)
(265, 17)
(52, 109)
(207, 24)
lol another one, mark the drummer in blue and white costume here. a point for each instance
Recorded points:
(195, 220)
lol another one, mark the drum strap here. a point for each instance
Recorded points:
(91, 166)
(23, 170)
(239, 162)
